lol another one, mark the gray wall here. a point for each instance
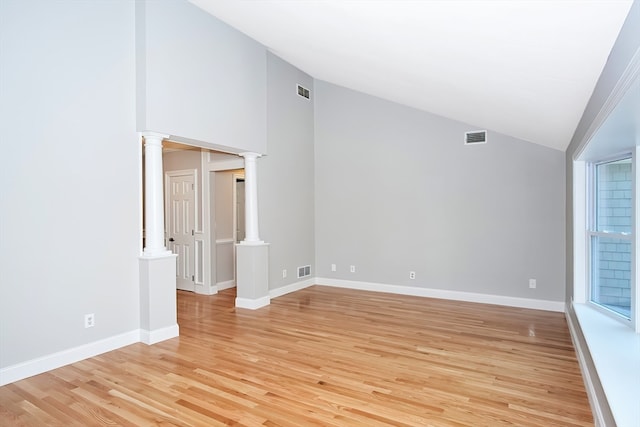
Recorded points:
(397, 191)
(70, 207)
(285, 176)
(198, 78)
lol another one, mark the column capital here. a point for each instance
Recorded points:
(153, 137)
(250, 155)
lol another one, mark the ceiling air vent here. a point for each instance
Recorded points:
(475, 137)
(303, 92)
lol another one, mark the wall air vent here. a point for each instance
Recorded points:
(475, 137)
(304, 271)
(303, 92)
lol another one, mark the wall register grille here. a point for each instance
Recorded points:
(304, 271)
(475, 137)
(303, 92)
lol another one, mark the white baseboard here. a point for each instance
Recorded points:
(56, 360)
(46, 363)
(253, 304)
(226, 285)
(535, 304)
(202, 289)
(278, 292)
(598, 418)
(157, 335)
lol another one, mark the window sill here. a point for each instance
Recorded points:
(615, 351)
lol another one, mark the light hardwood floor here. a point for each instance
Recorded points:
(323, 357)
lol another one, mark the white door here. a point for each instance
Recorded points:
(181, 218)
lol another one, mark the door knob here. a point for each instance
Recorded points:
(171, 239)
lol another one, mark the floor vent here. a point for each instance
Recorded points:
(303, 92)
(304, 271)
(475, 137)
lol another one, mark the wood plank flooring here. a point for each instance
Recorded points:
(323, 357)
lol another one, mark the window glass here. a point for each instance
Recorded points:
(613, 198)
(610, 239)
(611, 274)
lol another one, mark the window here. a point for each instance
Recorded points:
(610, 236)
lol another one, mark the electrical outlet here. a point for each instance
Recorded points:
(412, 275)
(89, 320)
(333, 267)
(352, 268)
(284, 273)
(532, 283)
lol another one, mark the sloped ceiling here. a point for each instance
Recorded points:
(522, 68)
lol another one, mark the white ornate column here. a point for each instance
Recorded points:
(252, 234)
(158, 305)
(252, 254)
(153, 195)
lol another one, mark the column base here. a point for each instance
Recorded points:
(158, 335)
(158, 305)
(252, 242)
(156, 253)
(253, 304)
(252, 276)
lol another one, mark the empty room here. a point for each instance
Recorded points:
(330, 213)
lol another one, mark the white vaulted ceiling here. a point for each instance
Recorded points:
(522, 68)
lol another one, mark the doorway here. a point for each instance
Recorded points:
(228, 216)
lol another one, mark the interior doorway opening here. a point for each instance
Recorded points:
(198, 208)
(228, 216)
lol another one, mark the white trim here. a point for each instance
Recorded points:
(204, 289)
(253, 304)
(535, 304)
(207, 286)
(226, 165)
(619, 91)
(287, 289)
(617, 370)
(253, 243)
(157, 335)
(141, 192)
(198, 257)
(594, 401)
(226, 285)
(580, 264)
(635, 244)
(66, 357)
(224, 241)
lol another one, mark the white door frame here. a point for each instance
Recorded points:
(209, 166)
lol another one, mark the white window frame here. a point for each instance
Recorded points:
(588, 171)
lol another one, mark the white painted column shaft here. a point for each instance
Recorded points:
(153, 197)
(252, 235)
